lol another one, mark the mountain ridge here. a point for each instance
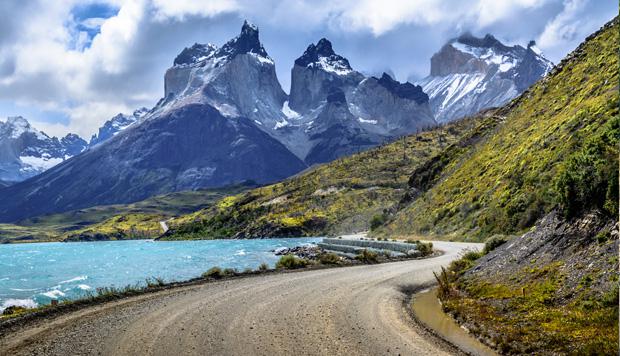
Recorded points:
(469, 74)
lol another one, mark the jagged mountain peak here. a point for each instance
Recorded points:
(403, 90)
(15, 126)
(194, 54)
(17, 121)
(247, 42)
(322, 56)
(249, 29)
(488, 41)
(324, 48)
(117, 124)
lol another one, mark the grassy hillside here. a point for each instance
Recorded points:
(136, 220)
(553, 290)
(341, 196)
(555, 142)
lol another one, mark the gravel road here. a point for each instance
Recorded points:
(341, 311)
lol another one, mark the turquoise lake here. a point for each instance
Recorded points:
(34, 274)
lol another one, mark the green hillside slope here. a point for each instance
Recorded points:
(341, 196)
(564, 123)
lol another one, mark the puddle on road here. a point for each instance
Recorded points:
(428, 310)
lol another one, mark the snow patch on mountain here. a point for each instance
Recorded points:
(117, 124)
(330, 65)
(364, 121)
(26, 151)
(469, 74)
(39, 164)
(288, 112)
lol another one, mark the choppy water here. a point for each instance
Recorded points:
(34, 274)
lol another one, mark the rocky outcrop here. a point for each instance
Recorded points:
(577, 244)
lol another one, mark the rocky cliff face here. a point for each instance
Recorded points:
(239, 79)
(367, 111)
(469, 74)
(26, 151)
(316, 73)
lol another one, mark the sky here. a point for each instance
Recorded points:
(70, 65)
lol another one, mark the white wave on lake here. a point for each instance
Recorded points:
(54, 294)
(240, 253)
(26, 303)
(84, 286)
(76, 279)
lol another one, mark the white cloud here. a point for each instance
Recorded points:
(46, 62)
(179, 9)
(491, 11)
(564, 27)
(379, 17)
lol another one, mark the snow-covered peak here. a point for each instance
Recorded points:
(490, 55)
(16, 126)
(247, 42)
(117, 124)
(195, 54)
(322, 56)
(27, 151)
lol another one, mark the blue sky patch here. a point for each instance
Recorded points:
(86, 24)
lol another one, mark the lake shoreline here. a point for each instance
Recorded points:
(49, 311)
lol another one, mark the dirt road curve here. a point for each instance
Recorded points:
(342, 311)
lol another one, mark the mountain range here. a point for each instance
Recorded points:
(26, 151)
(224, 119)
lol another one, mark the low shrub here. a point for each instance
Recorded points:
(472, 255)
(155, 282)
(263, 267)
(230, 272)
(589, 177)
(291, 262)
(376, 221)
(213, 272)
(14, 310)
(425, 248)
(329, 258)
(367, 256)
(494, 242)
